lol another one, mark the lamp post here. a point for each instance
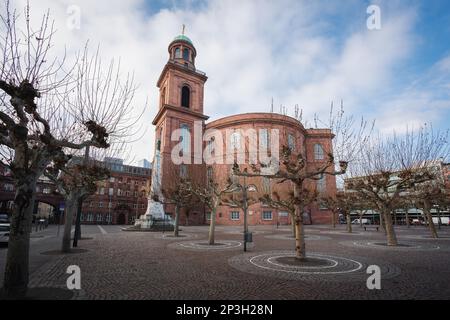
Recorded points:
(245, 188)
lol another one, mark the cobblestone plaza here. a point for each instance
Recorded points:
(116, 264)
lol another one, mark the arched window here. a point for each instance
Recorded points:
(318, 152)
(186, 54)
(177, 53)
(185, 96)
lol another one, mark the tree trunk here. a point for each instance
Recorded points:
(300, 248)
(177, 221)
(427, 211)
(382, 224)
(212, 226)
(390, 232)
(407, 217)
(360, 219)
(71, 209)
(349, 223)
(333, 216)
(439, 218)
(16, 269)
(293, 225)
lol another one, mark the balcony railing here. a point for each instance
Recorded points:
(188, 66)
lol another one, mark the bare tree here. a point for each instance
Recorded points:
(39, 123)
(212, 195)
(296, 170)
(390, 166)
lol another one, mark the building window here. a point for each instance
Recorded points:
(108, 218)
(99, 217)
(102, 191)
(185, 96)
(111, 191)
(110, 204)
(143, 206)
(46, 190)
(318, 152)
(321, 184)
(267, 215)
(235, 140)
(8, 187)
(186, 54)
(111, 179)
(183, 171)
(91, 204)
(135, 193)
(135, 205)
(100, 204)
(185, 138)
(266, 185)
(283, 214)
(234, 215)
(264, 138)
(291, 142)
(177, 53)
(90, 217)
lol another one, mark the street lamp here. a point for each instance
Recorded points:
(245, 188)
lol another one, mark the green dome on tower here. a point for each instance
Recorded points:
(182, 37)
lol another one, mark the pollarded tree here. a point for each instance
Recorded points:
(178, 193)
(295, 169)
(389, 167)
(38, 125)
(294, 203)
(212, 197)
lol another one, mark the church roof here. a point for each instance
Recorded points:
(182, 37)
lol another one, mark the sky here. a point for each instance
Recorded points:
(308, 53)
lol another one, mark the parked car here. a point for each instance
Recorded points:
(417, 222)
(363, 221)
(444, 220)
(4, 218)
(4, 232)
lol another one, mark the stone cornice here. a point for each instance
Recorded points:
(183, 110)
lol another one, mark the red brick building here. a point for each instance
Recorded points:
(181, 107)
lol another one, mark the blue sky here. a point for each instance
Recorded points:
(297, 52)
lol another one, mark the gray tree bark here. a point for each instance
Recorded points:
(71, 209)
(177, 221)
(427, 212)
(16, 270)
(212, 226)
(390, 231)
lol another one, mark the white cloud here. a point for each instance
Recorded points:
(255, 50)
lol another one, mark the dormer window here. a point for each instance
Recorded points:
(186, 54)
(185, 96)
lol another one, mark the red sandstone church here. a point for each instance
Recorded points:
(181, 88)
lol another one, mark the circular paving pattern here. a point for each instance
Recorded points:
(381, 244)
(292, 238)
(203, 245)
(317, 267)
(170, 236)
(426, 237)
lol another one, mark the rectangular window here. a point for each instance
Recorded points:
(267, 215)
(111, 191)
(291, 142)
(100, 204)
(321, 184)
(264, 138)
(99, 217)
(234, 215)
(235, 140)
(109, 204)
(8, 187)
(102, 191)
(135, 206)
(318, 152)
(185, 138)
(283, 214)
(46, 190)
(143, 206)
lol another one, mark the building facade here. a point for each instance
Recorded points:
(181, 109)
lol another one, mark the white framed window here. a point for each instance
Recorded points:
(108, 218)
(267, 215)
(46, 190)
(135, 205)
(90, 217)
(318, 152)
(102, 191)
(234, 215)
(99, 217)
(111, 179)
(143, 206)
(264, 139)
(235, 140)
(8, 187)
(100, 204)
(110, 204)
(111, 191)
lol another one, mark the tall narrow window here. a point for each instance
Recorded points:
(185, 96)
(183, 171)
(185, 138)
(318, 152)
(186, 54)
(264, 138)
(322, 184)
(291, 142)
(235, 140)
(177, 53)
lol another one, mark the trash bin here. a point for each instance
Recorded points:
(248, 237)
